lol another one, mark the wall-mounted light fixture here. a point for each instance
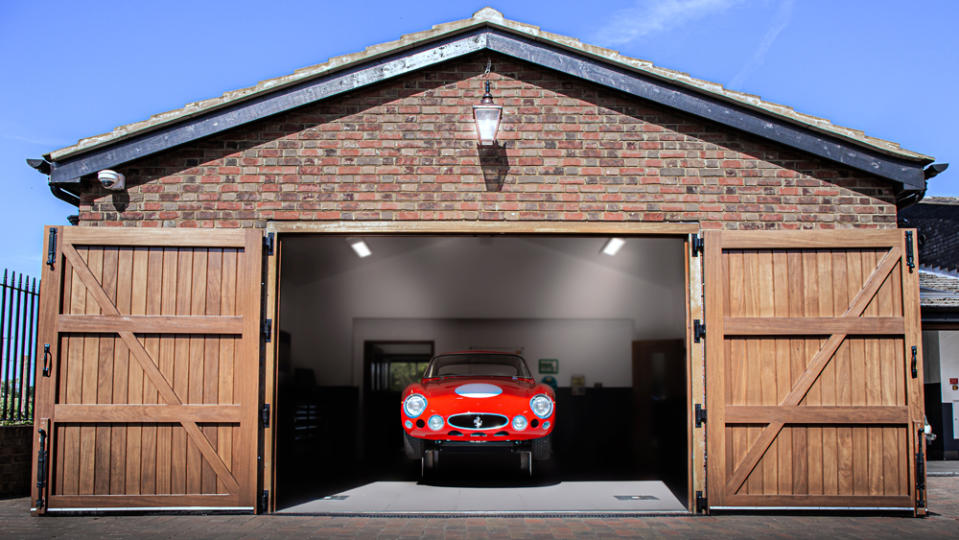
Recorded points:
(487, 117)
(359, 247)
(613, 245)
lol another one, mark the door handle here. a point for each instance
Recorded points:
(46, 359)
(915, 368)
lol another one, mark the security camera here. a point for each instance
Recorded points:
(111, 180)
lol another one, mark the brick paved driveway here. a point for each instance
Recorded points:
(15, 522)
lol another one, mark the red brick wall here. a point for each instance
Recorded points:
(406, 150)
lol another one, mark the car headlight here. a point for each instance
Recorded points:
(541, 405)
(520, 422)
(414, 405)
(435, 422)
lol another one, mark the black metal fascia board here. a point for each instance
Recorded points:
(910, 174)
(70, 171)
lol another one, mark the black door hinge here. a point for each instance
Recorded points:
(264, 501)
(41, 468)
(921, 472)
(265, 415)
(52, 247)
(700, 414)
(701, 505)
(910, 258)
(699, 330)
(696, 244)
(268, 243)
(915, 367)
(267, 330)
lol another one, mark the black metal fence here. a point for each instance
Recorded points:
(18, 323)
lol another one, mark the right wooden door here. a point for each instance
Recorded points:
(813, 370)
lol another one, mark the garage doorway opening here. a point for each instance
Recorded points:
(608, 330)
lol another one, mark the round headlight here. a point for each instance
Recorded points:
(520, 422)
(541, 405)
(436, 422)
(414, 405)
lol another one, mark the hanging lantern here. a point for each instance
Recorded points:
(487, 117)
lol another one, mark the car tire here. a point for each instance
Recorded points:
(412, 446)
(526, 463)
(542, 448)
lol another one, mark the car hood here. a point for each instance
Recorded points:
(479, 387)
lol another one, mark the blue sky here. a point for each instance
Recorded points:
(75, 69)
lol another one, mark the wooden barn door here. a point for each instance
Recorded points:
(147, 395)
(814, 371)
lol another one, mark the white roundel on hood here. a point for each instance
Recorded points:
(479, 390)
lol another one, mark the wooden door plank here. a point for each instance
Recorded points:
(121, 374)
(843, 381)
(873, 390)
(138, 370)
(209, 238)
(226, 357)
(181, 372)
(797, 364)
(716, 393)
(52, 296)
(811, 240)
(813, 326)
(104, 462)
(148, 502)
(827, 375)
(153, 324)
(807, 414)
(767, 365)
(211, 376)
(194, 459)
(91, 350)
(151, 343)
(148, 413)
(166, 362)
(915, 395)
(248, 303)
(857, 384)
(780, 269)
(812, 307)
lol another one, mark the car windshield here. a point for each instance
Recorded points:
(477, 365)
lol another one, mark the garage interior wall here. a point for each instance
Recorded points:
(430, 281)
(941, 361)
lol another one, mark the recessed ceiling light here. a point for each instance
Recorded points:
(360, 247)
(613, 246)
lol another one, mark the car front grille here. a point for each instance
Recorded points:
(478, 421)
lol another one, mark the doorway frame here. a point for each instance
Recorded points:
(693, 262)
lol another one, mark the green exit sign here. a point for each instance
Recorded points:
(549, 365)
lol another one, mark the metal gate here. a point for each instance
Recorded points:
(813, 370)
(148, 353)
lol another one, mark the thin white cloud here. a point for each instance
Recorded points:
(780, 22)
(33, 140)
(650, 16)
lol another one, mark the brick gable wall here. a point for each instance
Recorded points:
(571, 151)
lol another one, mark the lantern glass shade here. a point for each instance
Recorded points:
(487, 118)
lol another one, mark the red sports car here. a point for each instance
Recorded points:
(478, 399)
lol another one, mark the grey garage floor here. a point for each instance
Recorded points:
(632, 497)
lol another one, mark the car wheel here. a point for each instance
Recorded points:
(428, 463)
(412, 446)
(543, 448)
(526, 463)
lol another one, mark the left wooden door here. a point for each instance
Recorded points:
(148, 391)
